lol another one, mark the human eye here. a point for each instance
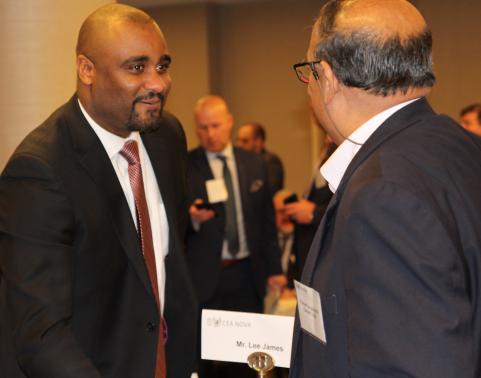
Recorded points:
(164, 63)
(162, 67)
(136, 68)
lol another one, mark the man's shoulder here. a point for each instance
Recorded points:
(249, 157)
(271, 158)
(45, 140)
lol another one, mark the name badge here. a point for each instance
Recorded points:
(216, 190)
(232, 336)
(310, 311)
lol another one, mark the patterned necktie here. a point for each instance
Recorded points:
(231, 230)
(130, 152)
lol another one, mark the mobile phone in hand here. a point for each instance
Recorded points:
(290, 199)
(204, 206)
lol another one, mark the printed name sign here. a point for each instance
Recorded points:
(233, 336)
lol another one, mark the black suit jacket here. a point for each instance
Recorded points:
(397, 257)
(75, 298)
(275, 171)
(204, 247)
(304, 233)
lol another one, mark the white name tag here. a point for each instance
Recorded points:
(233, 336)
(216, 190)
(310, 311)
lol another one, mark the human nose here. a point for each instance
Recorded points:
(158, 82)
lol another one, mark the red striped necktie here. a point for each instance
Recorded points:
(130, 152)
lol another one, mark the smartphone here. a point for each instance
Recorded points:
(204, 206)
(290, 199)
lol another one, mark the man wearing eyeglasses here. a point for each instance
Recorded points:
(391, 285)
(93, 209)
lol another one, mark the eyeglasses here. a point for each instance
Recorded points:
(305, 69)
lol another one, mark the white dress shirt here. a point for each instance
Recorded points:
(217, 167)
(334, 168)
(158, 217)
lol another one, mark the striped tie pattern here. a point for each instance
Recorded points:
(130, 152)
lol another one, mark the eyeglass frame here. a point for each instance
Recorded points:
(311, 64)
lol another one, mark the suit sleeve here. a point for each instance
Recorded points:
(408, 305)
(270, 247)
(36, 256)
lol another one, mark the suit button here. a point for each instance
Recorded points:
(151, 326)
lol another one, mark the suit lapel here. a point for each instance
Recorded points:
(203, 164)
(94, 159)
(243, 181)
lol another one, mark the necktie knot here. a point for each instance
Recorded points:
(130, 151)
(222, 158)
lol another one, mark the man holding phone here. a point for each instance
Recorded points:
(232, 247)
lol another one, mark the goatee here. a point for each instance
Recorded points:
(152, 116)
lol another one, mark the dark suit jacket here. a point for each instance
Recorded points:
(204, 247)
(397, 257)
(75, 298)
(304, 233)
(275, 171)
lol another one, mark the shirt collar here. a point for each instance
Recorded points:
(335, 167)
(111, 142)
(228, 152)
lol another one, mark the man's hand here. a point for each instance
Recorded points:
(200, 216)
(301, 212)
(277, 283)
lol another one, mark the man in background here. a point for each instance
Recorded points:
(307, 212)
(93, 209)
(396, 261)
(471, 118)
(252, 137)
(232, 248)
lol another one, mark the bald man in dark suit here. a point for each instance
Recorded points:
(93, 210)
(396, 260)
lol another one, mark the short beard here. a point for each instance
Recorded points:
(152, 123)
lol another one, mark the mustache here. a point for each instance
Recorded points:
(149, 96)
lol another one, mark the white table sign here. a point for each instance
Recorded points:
(232, 336)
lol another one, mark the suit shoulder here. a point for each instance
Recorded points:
(46, 141)
(248, 156)
(172, 123)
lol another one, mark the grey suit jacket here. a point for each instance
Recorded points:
(75, 296)
(397, 257)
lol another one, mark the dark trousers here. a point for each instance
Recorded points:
(236, 292)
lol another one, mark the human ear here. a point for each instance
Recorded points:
(85, 69)
(331, 83)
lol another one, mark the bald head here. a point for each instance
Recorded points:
(209, 102)
(100, 24)
(381, 46)
(385, 18)
(214, 123)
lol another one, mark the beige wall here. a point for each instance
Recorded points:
(186, 30)
(38, 62)
(241, 51)
(245, 53)
(456, 27)
(249, 49)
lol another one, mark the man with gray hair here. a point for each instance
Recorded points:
(93, 209)
(392, 283)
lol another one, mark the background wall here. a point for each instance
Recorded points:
(37, 56)
(456, 28)
(242, 50)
